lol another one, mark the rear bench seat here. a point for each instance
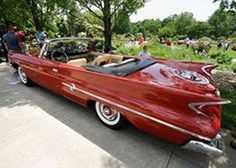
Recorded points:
(78, 62)
(107, 59)
(116, 58)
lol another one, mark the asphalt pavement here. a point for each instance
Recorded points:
(39, 128)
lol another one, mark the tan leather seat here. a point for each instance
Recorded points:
(106, 59)
(78, 62)
(117, 58)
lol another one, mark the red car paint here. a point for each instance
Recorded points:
(151, 99)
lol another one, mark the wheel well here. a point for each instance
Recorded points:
(14, 65)
(91, 104)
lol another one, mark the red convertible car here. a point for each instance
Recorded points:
(177, 101)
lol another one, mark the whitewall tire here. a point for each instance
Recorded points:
(23, 77)
(109, 116)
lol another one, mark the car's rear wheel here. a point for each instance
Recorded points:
(23, 77)
(109, 116)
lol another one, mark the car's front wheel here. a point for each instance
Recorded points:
(23, 77)
(109, 116)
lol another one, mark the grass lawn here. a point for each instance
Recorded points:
(223, 58)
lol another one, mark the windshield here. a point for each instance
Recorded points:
(70, 46)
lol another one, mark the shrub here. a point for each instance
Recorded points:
(221, 58)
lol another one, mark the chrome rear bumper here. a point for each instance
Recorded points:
(207, 148)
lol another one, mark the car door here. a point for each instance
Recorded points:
(42, 71)
(49, 75)
(28, 63)
(72, 80)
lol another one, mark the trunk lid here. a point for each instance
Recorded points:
(162, 74)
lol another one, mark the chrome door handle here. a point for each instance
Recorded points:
(55, 70)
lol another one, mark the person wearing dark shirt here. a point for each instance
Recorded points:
(11, 41)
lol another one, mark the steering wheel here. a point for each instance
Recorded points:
(58, 55)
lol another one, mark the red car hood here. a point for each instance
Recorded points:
(163, 74)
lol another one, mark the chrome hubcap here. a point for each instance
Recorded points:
(108, 113)
(22, 75)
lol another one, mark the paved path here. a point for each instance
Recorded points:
(41, 129)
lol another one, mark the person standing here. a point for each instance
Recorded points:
(144, 53)
(20, 34)
(11, 41)
(141, 39)
(41, 37)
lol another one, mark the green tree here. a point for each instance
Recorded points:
(223, 23)
(167, 31)
(148, 27)
(93, 24)
(43, 12)
(123, 26)
(112, 13)
(227, 4)
(177, 25)
(199, 29)
(13, 13)
(73, 17)
(183, 22)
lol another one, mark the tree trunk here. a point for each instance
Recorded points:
(107, 35)
(33, 8)
(107, 25)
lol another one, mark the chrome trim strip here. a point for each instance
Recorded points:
(205, 67)
(138, 113)
(68, 38)
(192, 106)
(65, 84)
(72, 87)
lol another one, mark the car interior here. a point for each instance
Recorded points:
(78, 54)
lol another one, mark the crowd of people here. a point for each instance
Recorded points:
(14, 41)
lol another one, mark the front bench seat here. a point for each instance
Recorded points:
(78, 62)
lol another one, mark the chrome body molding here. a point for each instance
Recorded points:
(193, 106)
(68, 38)
(205, 67)
(210, 148)
(72, 87)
